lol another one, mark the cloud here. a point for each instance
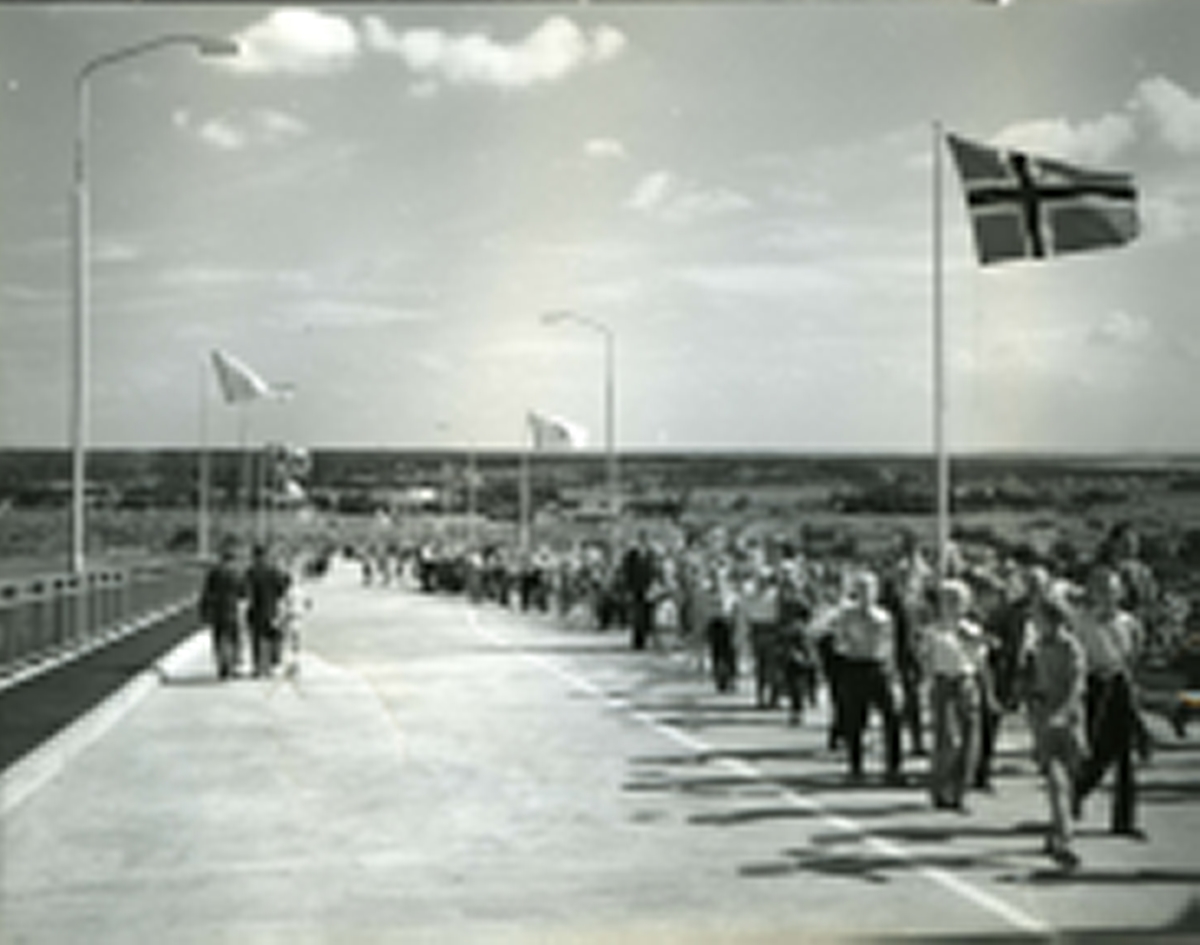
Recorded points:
(554, 50)
(295, 41)
(651, 192)
(762, 280)
(106, 250)
(210, 277)
(665, 196)
(222, 135)
(434, 363)
(602, 148)
(1095, 142)
(317, 313)
(1172, 212)
(236, 132)
(1119, 329)
(1172, 110)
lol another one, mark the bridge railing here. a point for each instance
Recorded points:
(49, 616)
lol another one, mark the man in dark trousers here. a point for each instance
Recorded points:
(266, 583)
(1111, 639)
(865, 639)
(219, 602)
(639, 571)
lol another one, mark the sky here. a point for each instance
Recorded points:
(377, 204)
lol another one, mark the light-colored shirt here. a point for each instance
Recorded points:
(956, 649)
(1056, 680)
(865, 634)
(1109, 644)
(760, 603)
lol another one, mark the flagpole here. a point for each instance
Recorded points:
(471, 474)
(203, 546)
(525, 497)
(939, 366)
(260, 486)
(244, 509)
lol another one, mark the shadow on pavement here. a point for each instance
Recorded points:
(1183, 928)
(1107, 876)
(740, 817)
(871, 866)
(192, 682)
(682, 759)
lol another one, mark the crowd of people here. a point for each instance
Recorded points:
(942, 652)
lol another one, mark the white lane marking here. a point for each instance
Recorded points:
(1014, 916)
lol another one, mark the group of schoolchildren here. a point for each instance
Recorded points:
(945, 655)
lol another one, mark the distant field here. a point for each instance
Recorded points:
(1074, 503)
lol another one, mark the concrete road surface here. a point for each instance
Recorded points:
(447, 773)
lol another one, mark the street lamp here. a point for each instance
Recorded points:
(565, 315)
(80, 201)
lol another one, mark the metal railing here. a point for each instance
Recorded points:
(46, 618)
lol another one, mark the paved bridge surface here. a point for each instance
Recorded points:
(441, 772)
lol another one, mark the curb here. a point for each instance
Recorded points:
(33, 772)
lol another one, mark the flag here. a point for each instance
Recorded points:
(239, 383)
(1027, 207)
(551, 433)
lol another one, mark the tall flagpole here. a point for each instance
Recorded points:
(471, 476)
(203, 545)
(244, 505)
(939, 366)
(525, 497)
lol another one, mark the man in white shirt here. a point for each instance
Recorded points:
(1110, 638)
(864, 638)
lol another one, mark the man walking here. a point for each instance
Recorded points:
(219, 609)
(1110, 638)
(639, 570)
(865, 639)
(1054, 691)
(266, 585)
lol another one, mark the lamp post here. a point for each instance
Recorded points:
(556, 318)
(80, 202)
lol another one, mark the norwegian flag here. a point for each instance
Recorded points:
(1027, 207)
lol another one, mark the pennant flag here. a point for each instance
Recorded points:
(239, 384)
(1027, 207)
(551, 433)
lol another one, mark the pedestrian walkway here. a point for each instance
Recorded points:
(439, 772)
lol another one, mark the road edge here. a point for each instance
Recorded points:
(33, 772)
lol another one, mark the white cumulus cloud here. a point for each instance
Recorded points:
(651, 192)
(296, 41)
(554, 50)
(222, 135)
(604, 148)
(1120, 329)
(1174, 112)
(668, 197)
(1097, 142)
(235, 132)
